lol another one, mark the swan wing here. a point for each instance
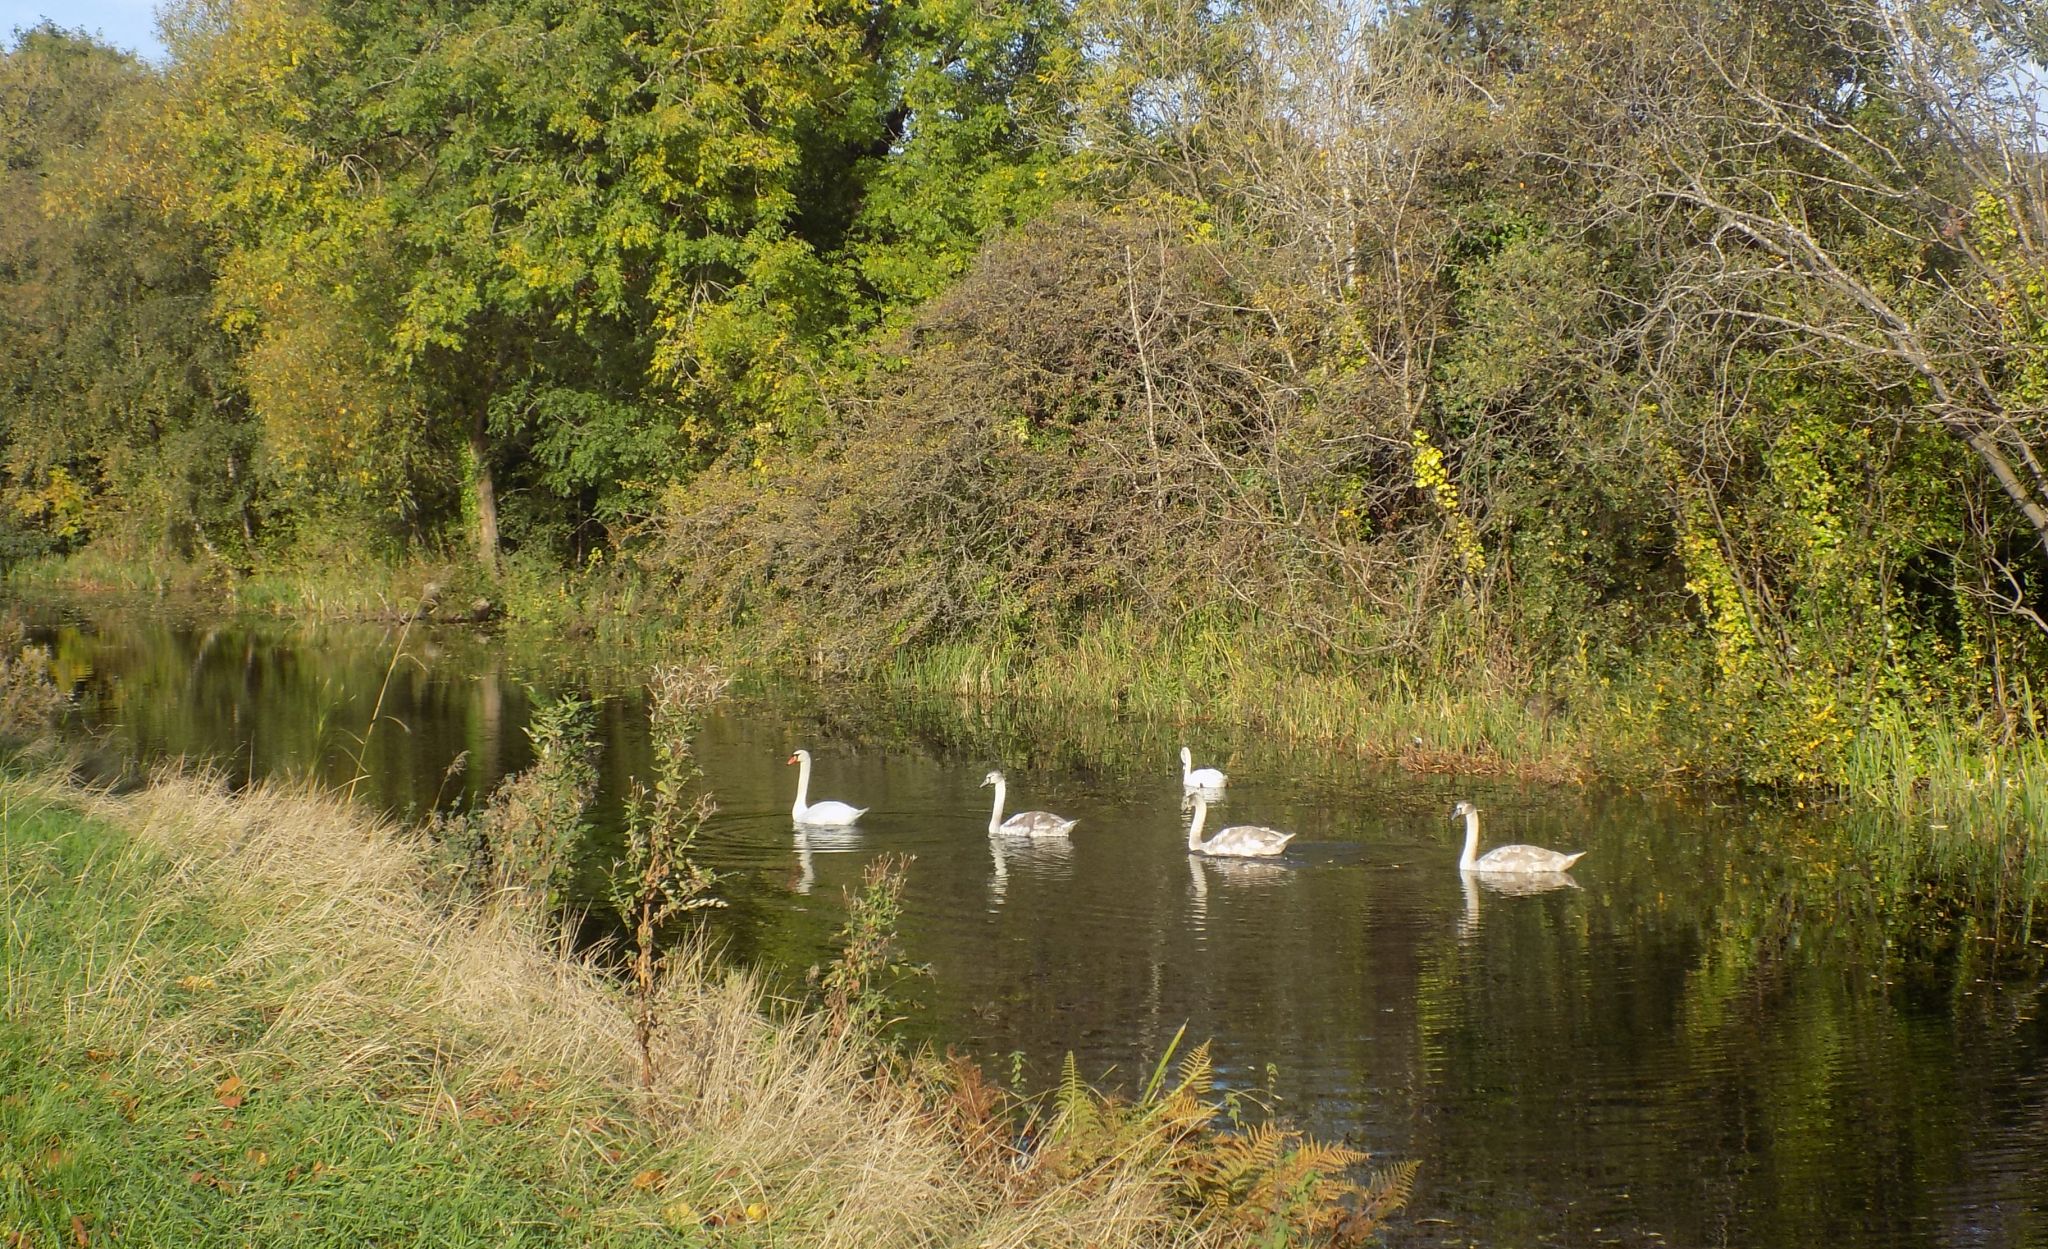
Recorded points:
(1525, 859)
(1248, 841)
(830, 814)
(1037, 824)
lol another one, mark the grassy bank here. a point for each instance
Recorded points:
(254, 1019)
(1420, 722)
(604, 605)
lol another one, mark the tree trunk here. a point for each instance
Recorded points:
(486, 494)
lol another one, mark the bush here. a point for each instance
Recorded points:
(1098, 415)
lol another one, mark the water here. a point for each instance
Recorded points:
(1725, 1033)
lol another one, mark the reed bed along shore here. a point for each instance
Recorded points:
(257, 1018)
(1933, 802)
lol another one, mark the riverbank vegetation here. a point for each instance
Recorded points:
(266, 1013)
(1648, 390)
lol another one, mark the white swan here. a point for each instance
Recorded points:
(1245, 841)
(827, 814)
(1505, 858)
(1192, 777)
(1024, 823)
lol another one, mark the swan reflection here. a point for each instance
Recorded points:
(1229, 873)
(823, 841)
(1039, 854)
(1508, 885)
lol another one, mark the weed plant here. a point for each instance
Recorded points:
(29, 699)
(657, 882)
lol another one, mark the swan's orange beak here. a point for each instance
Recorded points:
(791, 759)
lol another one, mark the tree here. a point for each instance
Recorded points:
(117, 392)
(574, 249)
(1864, 189)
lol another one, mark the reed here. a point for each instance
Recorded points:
(1947, 806)
(1219, 672)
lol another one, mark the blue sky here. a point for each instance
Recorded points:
(129, 24)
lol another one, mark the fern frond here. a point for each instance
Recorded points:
(1197, 1072)
(1388, 1189)
(1073, 1095)
(1325, 1158)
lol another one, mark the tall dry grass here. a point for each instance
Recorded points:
(347, 968)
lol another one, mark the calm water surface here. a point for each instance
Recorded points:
(1722, 1034)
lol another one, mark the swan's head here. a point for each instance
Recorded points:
(1463, 809)
(993, 778)
(801, 756)
(1186, 756)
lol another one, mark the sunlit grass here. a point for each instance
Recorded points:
(1218, 675)
(1962, 810)
(243, 1019)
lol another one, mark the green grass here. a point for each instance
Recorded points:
(107, 1130)
(1967, 813)
(612, 606)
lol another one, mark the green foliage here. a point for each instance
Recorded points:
(526, 835)
(119, 410)
(1089, 419)
(578, 248)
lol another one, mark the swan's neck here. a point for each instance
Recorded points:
(1195, 829)
(803, 786)
(995, 817)
(1471, 855)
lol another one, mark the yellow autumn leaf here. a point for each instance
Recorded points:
(681, 1215)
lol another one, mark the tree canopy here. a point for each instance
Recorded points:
(1674, 337)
